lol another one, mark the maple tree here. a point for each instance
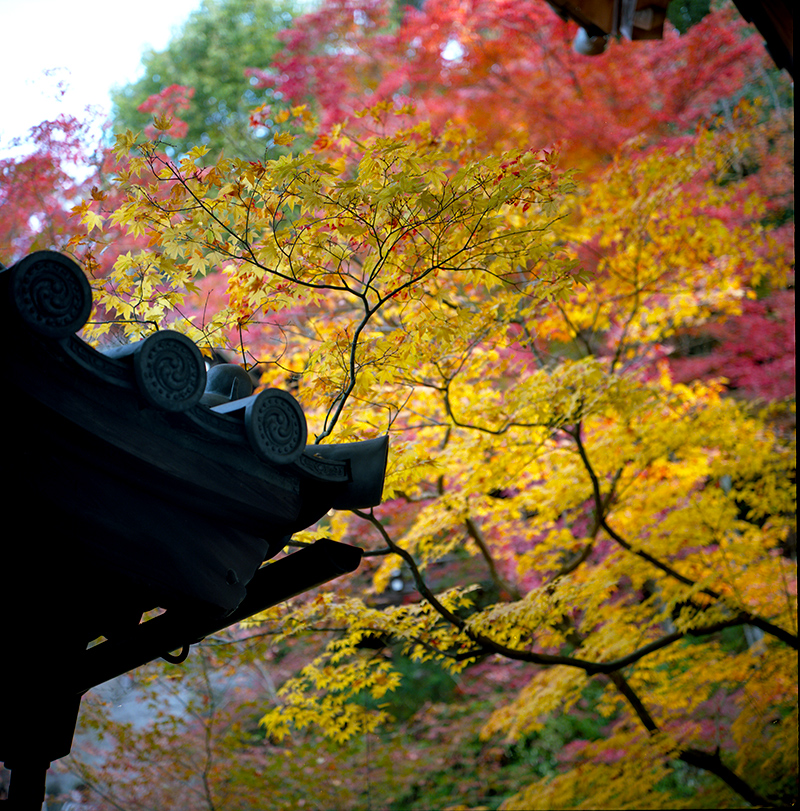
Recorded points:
(506, 331)
(754, 351)
(599, 540)
(38, 186)
(459, 60)
(62, 169)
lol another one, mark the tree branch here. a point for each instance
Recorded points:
(694, 757)
(713, 763)
(742, 617)
(475, 533)
(339, 403)
(486, 645)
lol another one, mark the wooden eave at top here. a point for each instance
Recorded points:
(774, 20)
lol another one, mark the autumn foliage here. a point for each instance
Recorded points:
(37, 189)
(593, 538)
(509, 69)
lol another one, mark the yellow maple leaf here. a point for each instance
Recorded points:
(283, 138)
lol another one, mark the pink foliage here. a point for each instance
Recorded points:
(169, 102)
(755, 351)
(457, 60)
(38, 188)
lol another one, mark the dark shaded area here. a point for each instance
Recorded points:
(136, 494)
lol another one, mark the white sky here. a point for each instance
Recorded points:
(89, 45)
